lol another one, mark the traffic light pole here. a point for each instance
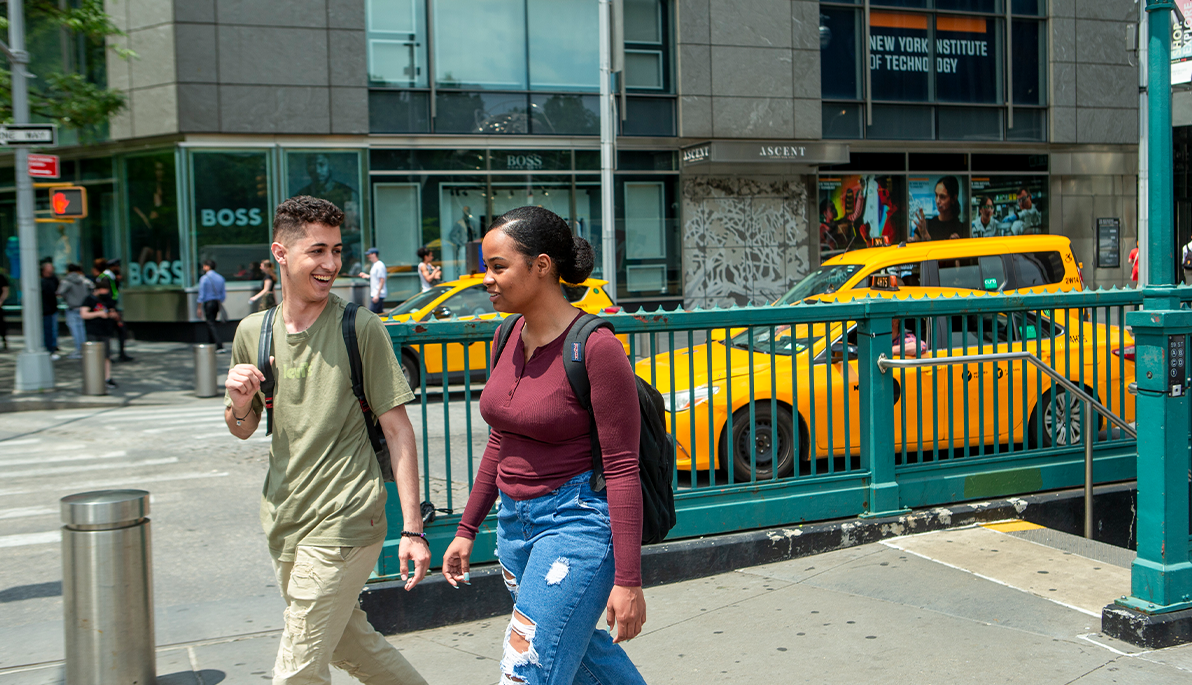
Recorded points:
(1158, 611)
(35, 372)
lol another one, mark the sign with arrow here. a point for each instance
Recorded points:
(29, 135)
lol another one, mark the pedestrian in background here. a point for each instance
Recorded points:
(49, 308)
(568, 553)
(1133, 259)
(73, 290)
(377, 277)
(265, 299)
(3, 299)
(99, 313)
(108, 271)
(212, 293)
(427, 273)
(323, 505)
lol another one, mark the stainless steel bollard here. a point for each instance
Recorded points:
(107, 588)
(205, 371)
(93, 368)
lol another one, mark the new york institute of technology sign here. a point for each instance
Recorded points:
(764, 152)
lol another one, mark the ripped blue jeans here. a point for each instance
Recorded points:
(556, 555)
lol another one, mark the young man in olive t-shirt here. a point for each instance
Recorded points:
(323, 505)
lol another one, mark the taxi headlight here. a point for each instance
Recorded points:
(685, 399)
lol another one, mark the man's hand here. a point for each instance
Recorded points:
(362, 274)
(244, 382)
(418, 551)
(199, 312)
(455, 562)
(376, 298)
(626, 605)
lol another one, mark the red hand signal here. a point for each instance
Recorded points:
(60, 202)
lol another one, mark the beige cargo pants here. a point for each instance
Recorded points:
(325, 625)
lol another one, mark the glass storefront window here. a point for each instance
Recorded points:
(396, 43)
(564, 45)
(481, 43)
(570, 115)
(859, 211)
(649, 261)
(333, 176)
(1030, 75)
(231, 214)
(839, 75)
(488, 113)
(398, 111)
(155, 257)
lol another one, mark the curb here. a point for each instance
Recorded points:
(436, 603)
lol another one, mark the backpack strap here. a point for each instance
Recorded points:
(581, 385)
(503, 333)
(354, 364)
(264, 350)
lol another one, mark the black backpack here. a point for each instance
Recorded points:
(265, 347)
(656, 447)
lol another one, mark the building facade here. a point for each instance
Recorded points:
(756, 138)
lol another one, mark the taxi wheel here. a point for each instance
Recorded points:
(1055, 429)
(768, 454)
(409, 368)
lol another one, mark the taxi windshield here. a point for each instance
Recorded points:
(827, 279)
(804, 338)
(420, 300)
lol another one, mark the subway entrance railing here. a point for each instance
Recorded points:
(781, 415)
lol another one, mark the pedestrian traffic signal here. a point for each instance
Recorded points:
(68, 202)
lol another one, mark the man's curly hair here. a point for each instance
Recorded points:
(292, 216)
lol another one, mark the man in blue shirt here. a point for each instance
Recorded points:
(211, 296)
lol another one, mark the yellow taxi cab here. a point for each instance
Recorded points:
(816, 387)
(1034, 263)
(467, 298)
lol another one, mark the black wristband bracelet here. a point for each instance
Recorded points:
(412, 534)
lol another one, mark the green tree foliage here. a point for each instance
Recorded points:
(66, 41)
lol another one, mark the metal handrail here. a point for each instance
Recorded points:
(1091, 404)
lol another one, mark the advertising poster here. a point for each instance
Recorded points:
(1008, 205)
(936, 208)
(860, 211)
(1181, 44)
(333, 176)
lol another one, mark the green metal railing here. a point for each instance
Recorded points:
(782, 415)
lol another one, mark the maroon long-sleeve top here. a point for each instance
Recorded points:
(540, 436)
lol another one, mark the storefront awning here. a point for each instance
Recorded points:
(763, 152)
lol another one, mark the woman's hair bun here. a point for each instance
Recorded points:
(583, 259)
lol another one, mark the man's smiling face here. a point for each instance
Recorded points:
(311, 263)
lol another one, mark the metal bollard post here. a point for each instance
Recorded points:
(1090, 432)
(93, 368)
(205, 371)
(107, 588)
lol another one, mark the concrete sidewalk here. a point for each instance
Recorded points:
(983, 604)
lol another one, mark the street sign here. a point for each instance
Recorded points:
(68, 202)
(43, 166)
(30, 135)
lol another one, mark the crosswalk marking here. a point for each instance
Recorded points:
(13, 443)
(42, 449)
(49, 460)
(115, 483)
(26, 512)
(48, 537)
(29, 473)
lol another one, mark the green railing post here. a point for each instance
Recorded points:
(1158, 611)
(877, 416)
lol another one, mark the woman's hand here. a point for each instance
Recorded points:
(627, 606)
(455, 562)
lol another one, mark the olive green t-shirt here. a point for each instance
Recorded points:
(323, 487)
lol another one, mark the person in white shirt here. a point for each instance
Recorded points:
(377, 276)
(984, 225)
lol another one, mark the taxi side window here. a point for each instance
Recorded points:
(974, 330)
(973, 273)
(1038, 268)
(471, 301)
(574, 293)
(1030, 328)
(908, 274)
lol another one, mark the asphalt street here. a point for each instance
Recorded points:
(213, 577)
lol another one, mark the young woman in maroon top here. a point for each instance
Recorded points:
(568, 553)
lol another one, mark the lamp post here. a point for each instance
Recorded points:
(1158, 610)
(608, 220)
(34, 370)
